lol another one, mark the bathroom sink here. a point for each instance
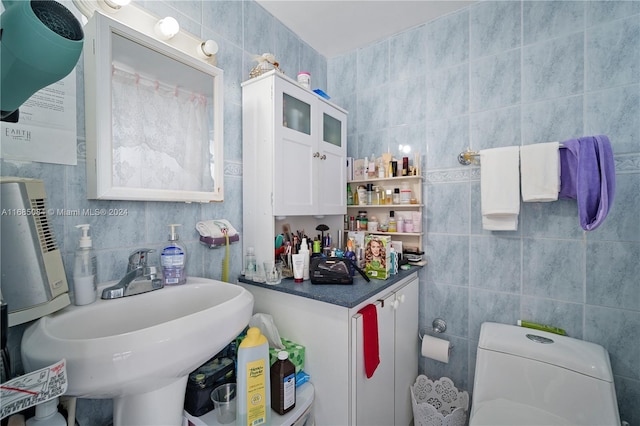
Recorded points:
(139, 350)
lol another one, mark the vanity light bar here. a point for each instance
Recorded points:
(165, 29)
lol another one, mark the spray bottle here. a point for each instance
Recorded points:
(254, 378)
(85, 267)
(173, 260)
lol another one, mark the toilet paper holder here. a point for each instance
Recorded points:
(438, 326)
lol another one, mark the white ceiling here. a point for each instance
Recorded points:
(335, 27)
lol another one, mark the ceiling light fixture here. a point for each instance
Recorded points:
(166, 28)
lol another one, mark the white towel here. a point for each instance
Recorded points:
(500, 188)
(211, 228)
(540, 172)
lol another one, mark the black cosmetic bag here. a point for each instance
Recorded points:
(332, 270)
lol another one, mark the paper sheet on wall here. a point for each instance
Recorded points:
(46, 131)
(33, 388)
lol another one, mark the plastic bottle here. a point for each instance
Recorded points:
(405, 193)
(283, 384)
(304, 79)
(392, 222)
(349, 195)
(84, 270)
(47, 415)
(396, 195)
(304, 249)
(253, 380)
(371, 170)
(250, 264)
(173, 260)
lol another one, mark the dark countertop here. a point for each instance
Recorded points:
(349, 295)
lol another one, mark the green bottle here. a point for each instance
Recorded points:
(349, 195)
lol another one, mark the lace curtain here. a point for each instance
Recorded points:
(160, 135)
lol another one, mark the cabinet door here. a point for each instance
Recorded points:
(373, 397)
(332, 150)
(296, 131)
(407, 350)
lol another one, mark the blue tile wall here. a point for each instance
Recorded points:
(515, 73)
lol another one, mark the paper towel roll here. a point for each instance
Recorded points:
(435, 348)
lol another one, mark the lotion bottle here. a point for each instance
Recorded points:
(253, 380)
(85, 288)
(173, 260)
(304, 250)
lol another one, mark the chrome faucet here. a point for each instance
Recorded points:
(140, 277)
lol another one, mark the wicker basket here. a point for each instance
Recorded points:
(438, 403)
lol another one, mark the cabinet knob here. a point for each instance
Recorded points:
(323, 157)
(396, 304)
(316, 154)
(401, 298)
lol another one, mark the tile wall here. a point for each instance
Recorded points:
(513, 73)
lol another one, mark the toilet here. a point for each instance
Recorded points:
(530, 377)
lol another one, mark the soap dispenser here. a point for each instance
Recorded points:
(173, 260)
(84, 270)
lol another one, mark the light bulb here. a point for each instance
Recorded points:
(166, 28)
(116, 4)
(208, 48)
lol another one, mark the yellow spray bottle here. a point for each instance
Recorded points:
(254, 389)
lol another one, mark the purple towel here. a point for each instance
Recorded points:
(587, 174)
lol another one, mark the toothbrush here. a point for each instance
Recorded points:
(225, 261)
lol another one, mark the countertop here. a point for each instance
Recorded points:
(348, 295)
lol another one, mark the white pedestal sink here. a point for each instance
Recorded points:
(139, 350)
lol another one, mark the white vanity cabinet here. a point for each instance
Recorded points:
(294, 147)
(333, 340)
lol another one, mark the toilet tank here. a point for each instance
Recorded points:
(525, 375)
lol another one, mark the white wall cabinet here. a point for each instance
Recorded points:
(294, 156)
(332, 336)
(304, 137)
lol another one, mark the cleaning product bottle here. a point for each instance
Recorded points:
(283, 384)
(173, 260)
(304, 249)
(84, 270)
(253, 380)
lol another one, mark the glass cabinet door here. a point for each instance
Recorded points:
(296, 114)
(331, 130)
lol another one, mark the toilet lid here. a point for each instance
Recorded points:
(501, 412)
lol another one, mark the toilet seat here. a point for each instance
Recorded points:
(502, 412)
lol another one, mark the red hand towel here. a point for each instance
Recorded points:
(371, 348)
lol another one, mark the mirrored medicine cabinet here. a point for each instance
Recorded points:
(153, 118)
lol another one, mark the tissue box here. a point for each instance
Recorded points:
(296, 354)
(377, 249)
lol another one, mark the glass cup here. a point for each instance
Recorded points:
(272, 272)
(224, 402)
